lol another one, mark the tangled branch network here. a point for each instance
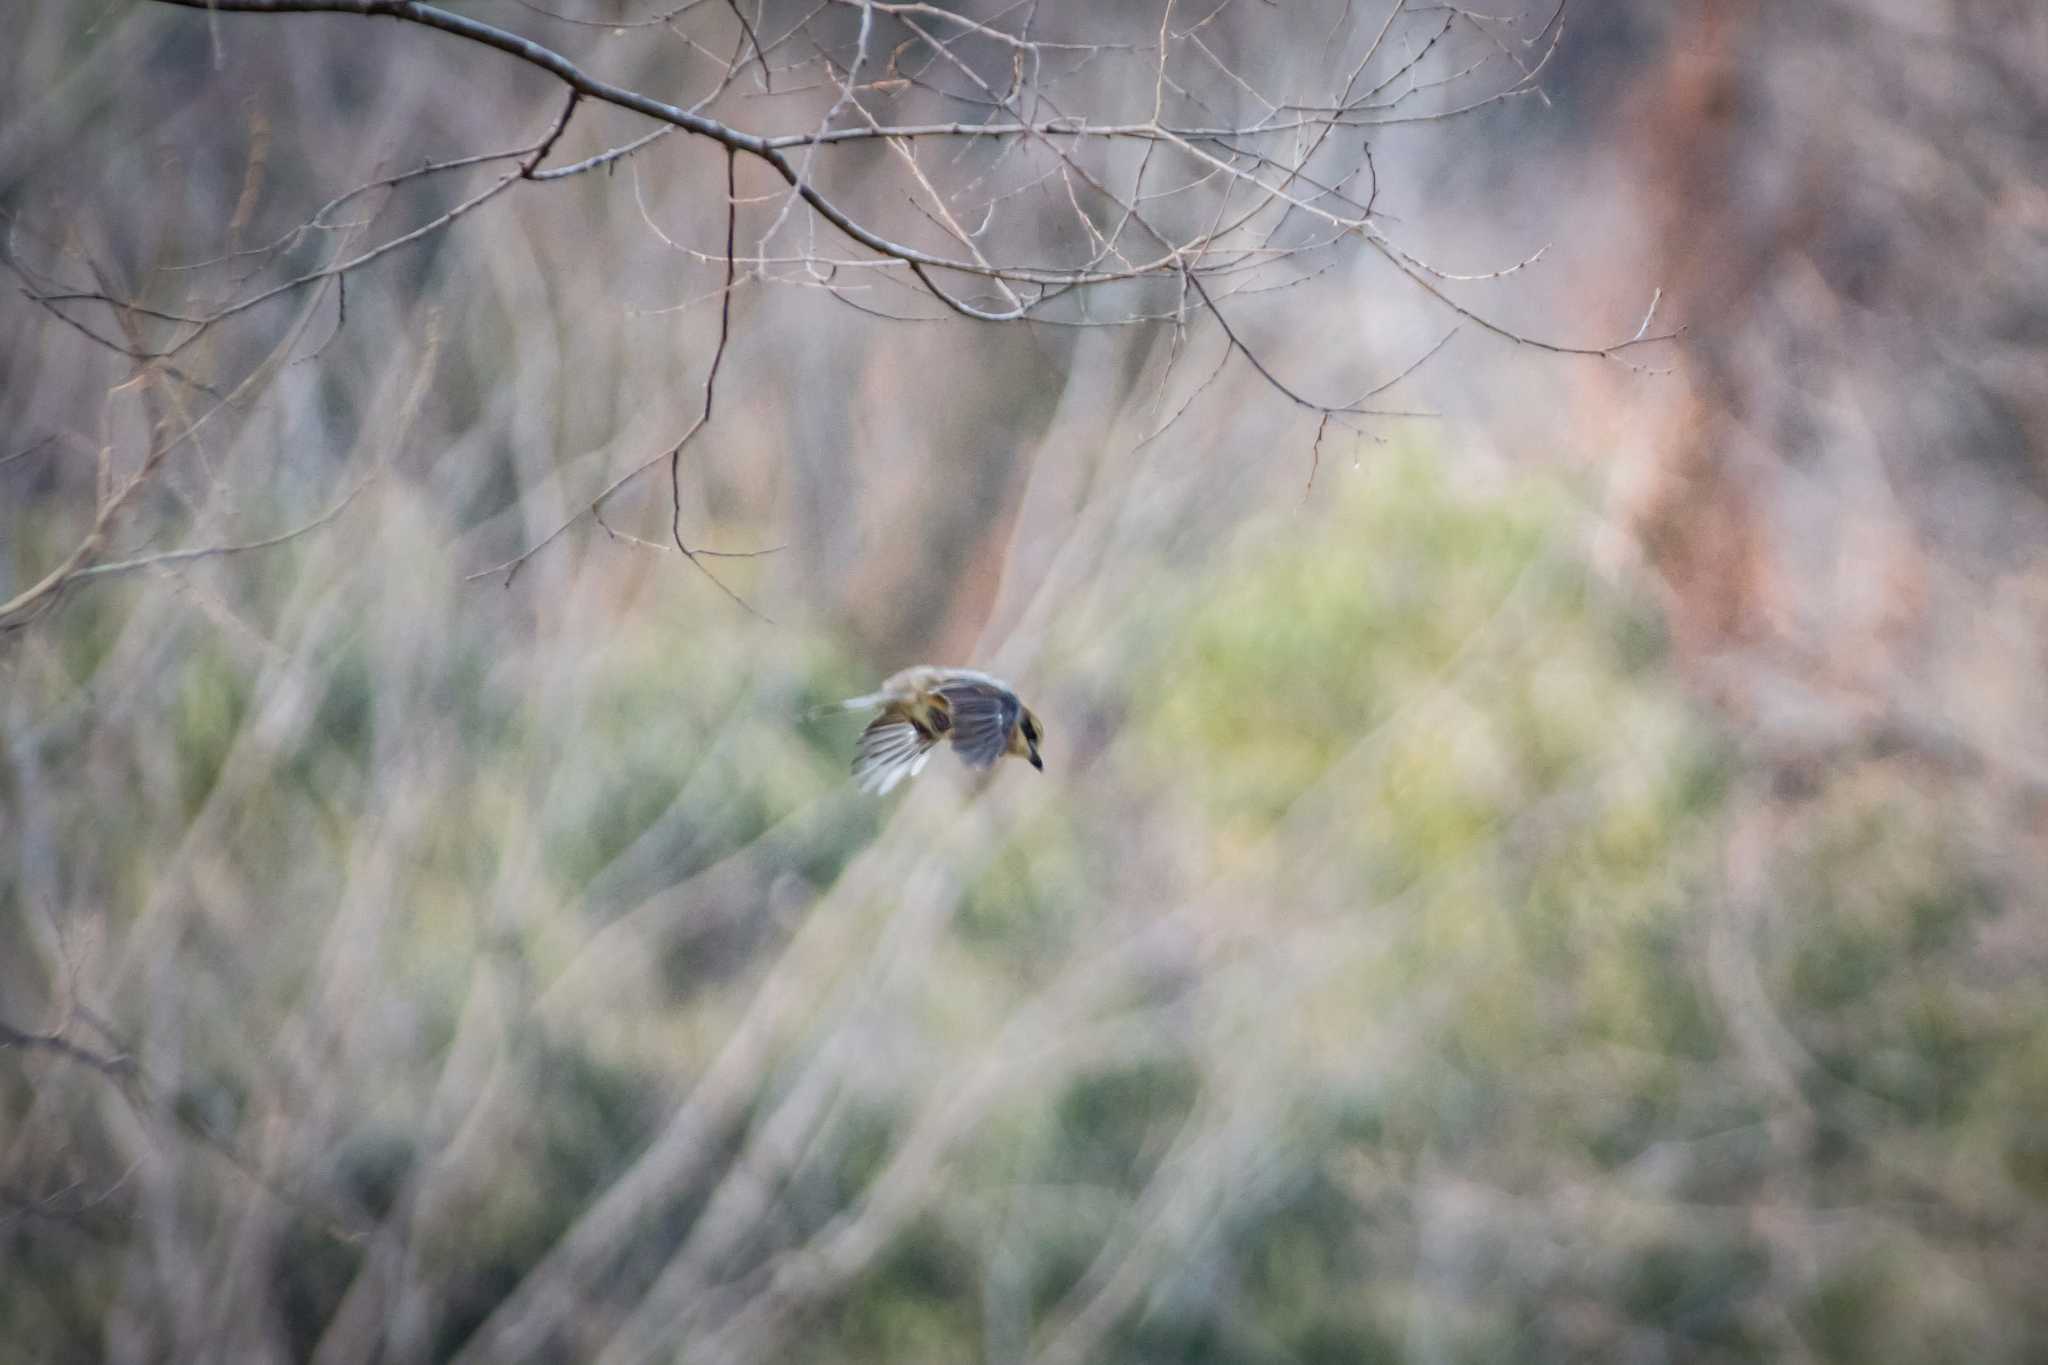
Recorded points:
(1070, 164)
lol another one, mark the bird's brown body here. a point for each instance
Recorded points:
(922, 706)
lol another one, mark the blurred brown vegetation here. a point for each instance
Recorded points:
(1577, 905)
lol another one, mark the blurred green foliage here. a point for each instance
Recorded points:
(1444, 1068)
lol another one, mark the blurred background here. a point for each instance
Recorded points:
(1556, 877)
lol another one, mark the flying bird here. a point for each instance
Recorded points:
(924, 705)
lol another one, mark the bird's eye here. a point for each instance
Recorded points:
(1030, 730)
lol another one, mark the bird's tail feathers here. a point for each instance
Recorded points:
(833, 708)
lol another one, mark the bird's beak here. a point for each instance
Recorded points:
(1038, 762)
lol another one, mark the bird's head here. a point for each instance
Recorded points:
(1029, 730)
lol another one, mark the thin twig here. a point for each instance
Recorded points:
(119, 1065)
(675, 456)
(156, 561)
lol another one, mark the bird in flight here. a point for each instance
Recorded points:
(923, 705)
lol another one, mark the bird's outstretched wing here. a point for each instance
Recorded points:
(891, 749)
(984, 713)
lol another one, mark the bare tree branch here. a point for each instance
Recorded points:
(1048, 282)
